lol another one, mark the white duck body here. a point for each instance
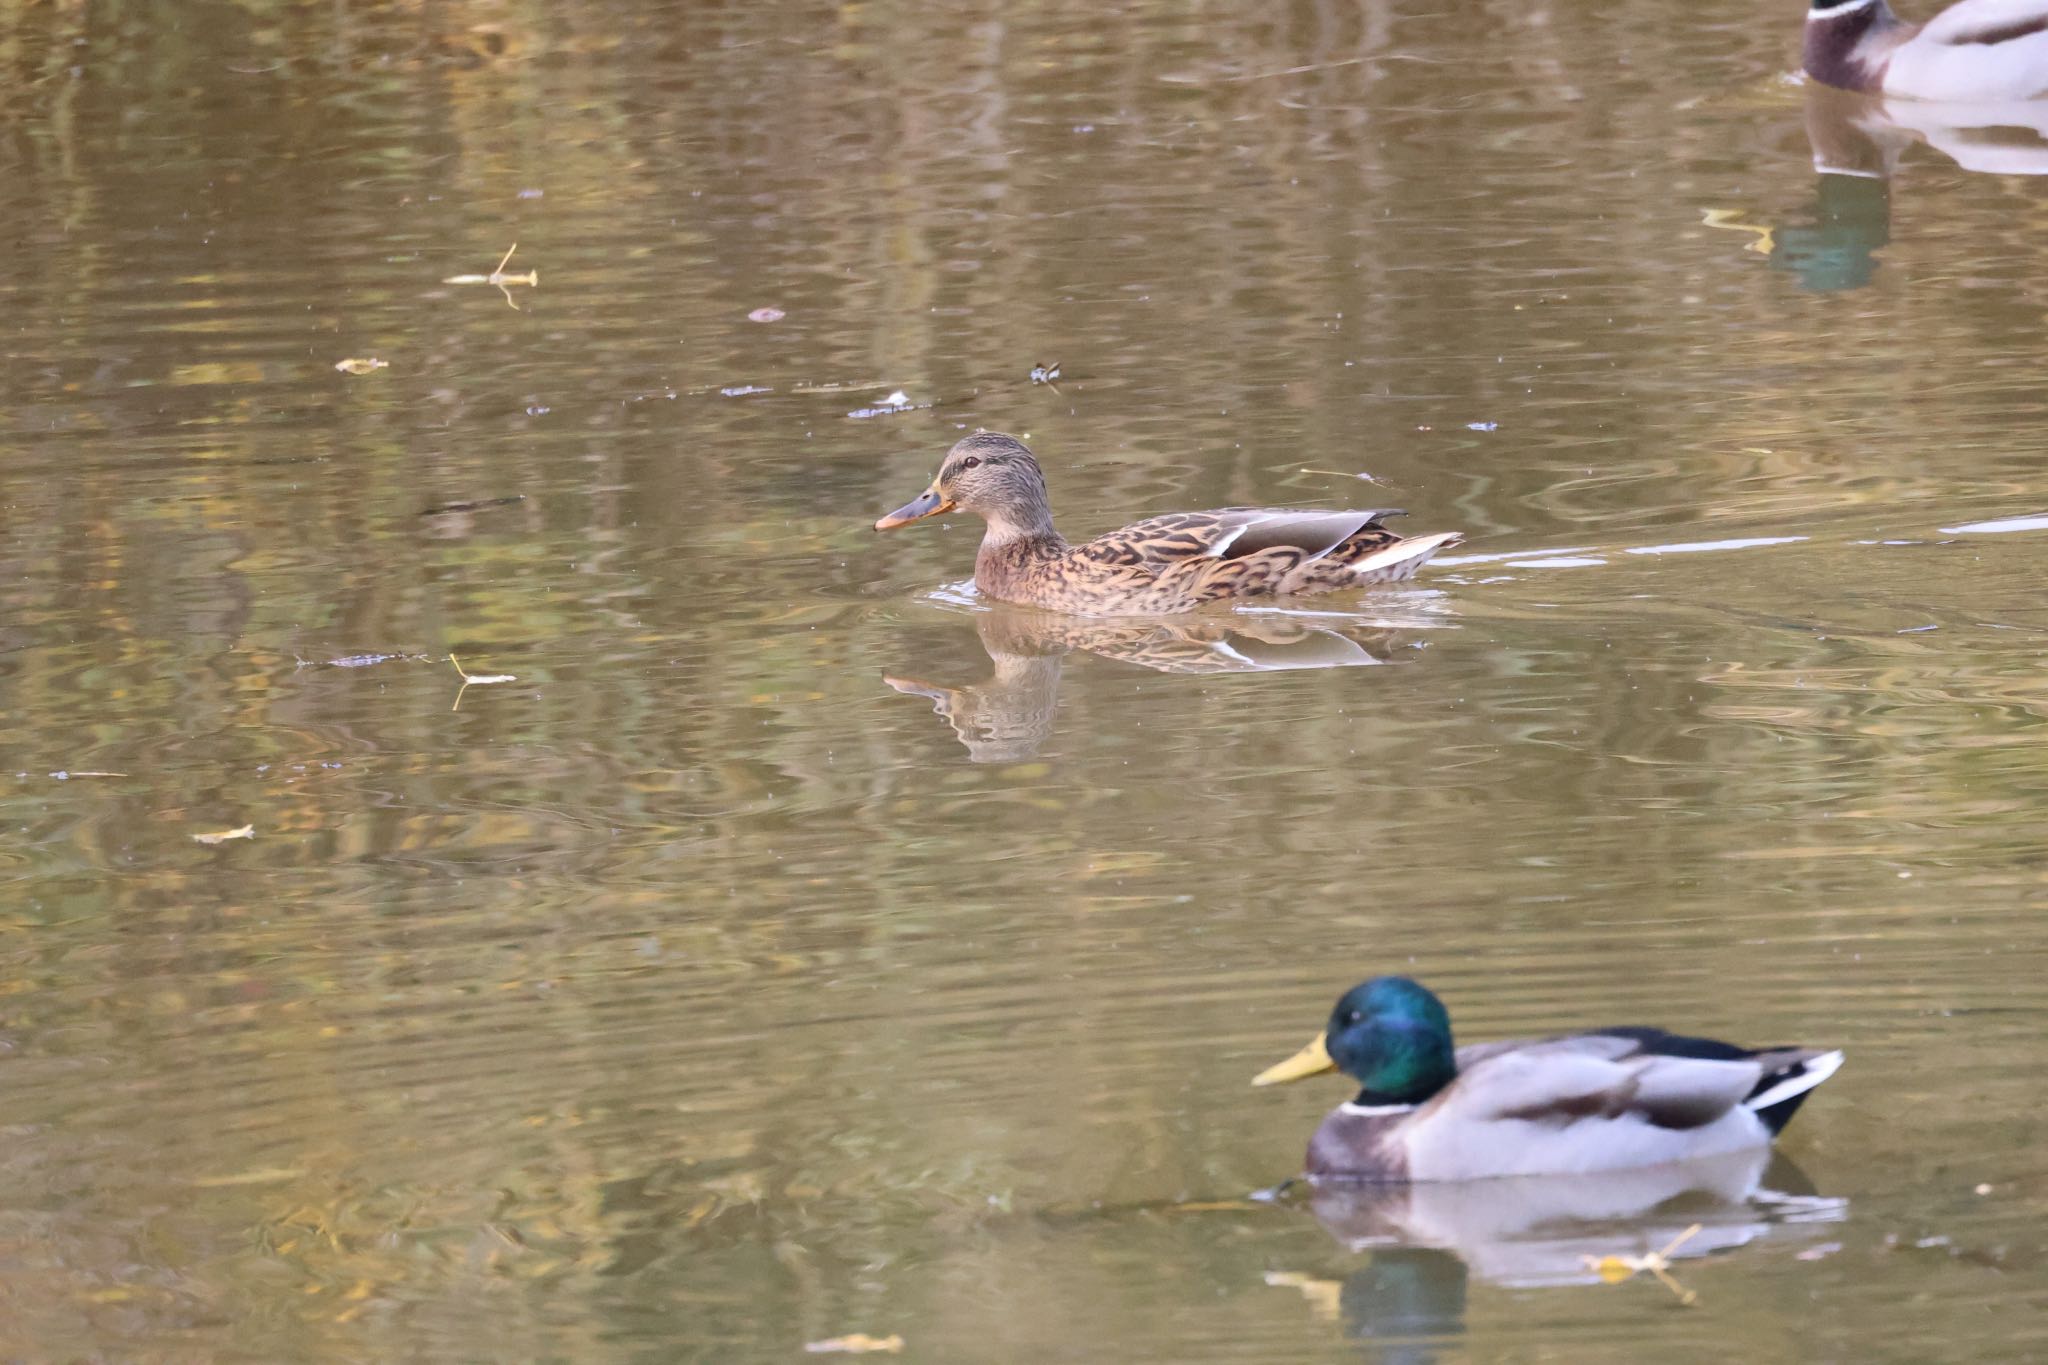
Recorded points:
(1575, 1105)
(1976, 51)
(1581, 1105)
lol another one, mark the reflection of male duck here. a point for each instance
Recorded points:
(1542, 1230)
(1422, 1243)
(1857, 142)
(1008, 715)
(1862, 135)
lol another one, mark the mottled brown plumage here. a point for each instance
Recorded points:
(1162, 565)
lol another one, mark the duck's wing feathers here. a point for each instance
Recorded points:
(1230, 533)
(1986, 22)
(1980, 51)
(1598, 1075)
(1668, 1079)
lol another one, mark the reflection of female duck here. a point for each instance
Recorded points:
(1975, 50)
(1580, 1103)
(1009, 715)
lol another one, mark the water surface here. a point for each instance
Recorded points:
(697, 992)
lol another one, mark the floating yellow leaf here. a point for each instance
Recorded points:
(860, 1343)
(222, 836)
(1613, 1269)
(1323, 1295)
(361, 365)
(1730, 220)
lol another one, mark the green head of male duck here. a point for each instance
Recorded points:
(991, 475)
(1390, 1034)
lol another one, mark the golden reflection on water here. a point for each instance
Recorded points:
(693, 993)
(1008, 716)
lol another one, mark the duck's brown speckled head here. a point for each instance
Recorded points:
(991, 475)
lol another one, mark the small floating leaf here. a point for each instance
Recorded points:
(766, 315)
(361, 365)
(1323, 1296)
(896, 402)
(222, 836)
(471, 505)
(860, 1343)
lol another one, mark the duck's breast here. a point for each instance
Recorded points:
(1359, 1142)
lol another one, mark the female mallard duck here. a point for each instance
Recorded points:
(1166, 564)
(1607, 1100)
(1975, 51)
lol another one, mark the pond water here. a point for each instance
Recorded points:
(795, 946)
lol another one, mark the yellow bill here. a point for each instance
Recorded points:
(1312, 1060)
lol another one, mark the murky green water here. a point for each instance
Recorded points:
(700, 992)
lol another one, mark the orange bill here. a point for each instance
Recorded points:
(925, 504)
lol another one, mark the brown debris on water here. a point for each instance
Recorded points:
(859, 1343)
(470, 680)
(498, 277)
(1616, 1268)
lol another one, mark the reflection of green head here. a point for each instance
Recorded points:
(1852, 218)
(1392, 1035)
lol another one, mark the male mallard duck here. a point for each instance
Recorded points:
(1165, 564)
(1607, 1100)
(1977, 51)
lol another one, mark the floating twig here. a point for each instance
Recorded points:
(859, 1343)
(470, 680)
(1615, 1269)
(1341, 474)
(498, 277)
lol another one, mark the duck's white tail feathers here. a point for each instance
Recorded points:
(1401, 559)
(1785, 1086)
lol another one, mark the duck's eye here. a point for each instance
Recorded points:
(970, 462)
(1354, 1016)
